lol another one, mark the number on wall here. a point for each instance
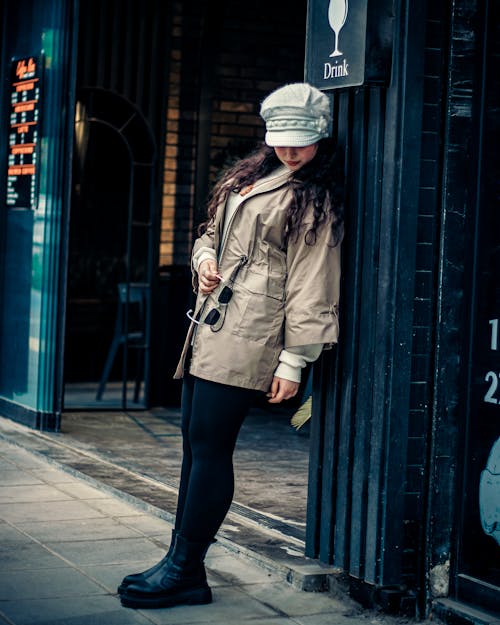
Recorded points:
(491, 377)
(494, 334)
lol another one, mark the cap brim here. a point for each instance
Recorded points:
(291, 139)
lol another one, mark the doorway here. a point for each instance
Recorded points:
(476, 567)
(109, 258)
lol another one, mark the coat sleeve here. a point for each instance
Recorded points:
(312, 289)
(206, 240)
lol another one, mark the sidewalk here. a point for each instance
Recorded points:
(65, 546)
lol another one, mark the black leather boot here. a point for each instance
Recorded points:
(181, 580)
(134, 578)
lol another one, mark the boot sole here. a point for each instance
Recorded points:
(198, 596)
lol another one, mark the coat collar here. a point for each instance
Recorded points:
(275, 180)
(271, 182)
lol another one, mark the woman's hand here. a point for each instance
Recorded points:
(207, 276)
(282, 389)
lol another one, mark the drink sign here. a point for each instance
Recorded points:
(24, 133)
(337, 15)
(348, 42)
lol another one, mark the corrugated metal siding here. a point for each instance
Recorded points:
(357, 504)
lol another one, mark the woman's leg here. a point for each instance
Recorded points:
(212, 421)
(186, 407)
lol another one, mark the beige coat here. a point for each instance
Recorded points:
(283, 296)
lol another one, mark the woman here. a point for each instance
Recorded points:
(267, 272)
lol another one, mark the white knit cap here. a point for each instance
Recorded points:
(296, 115)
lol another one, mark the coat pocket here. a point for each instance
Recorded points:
(260, 317)
(265, 274)
(259, 305)
(265, 284)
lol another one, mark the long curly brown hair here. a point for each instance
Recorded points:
(320, 181)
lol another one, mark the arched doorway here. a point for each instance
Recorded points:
(110, 255)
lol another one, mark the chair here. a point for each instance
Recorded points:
(132, 307)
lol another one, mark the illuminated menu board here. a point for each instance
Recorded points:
(24, 133)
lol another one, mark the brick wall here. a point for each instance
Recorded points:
(179, 164)
(222, 65)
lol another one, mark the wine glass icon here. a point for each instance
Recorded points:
(337, 15)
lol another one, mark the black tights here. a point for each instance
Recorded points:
(212, 415)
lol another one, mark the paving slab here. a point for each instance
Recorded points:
(77, 529)
(80, 491)
(11, 534)
(148, 525)
(236, 571)
(112, 507)
(107, 551)
(287, 600)
(48, 511)
(23, 556)
(13, 477)
(64, 581)
(26, 493)
(94, 610)
(230, 605)
(25, 460)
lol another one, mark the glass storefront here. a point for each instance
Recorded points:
(35, 171)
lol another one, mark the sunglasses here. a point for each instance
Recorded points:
(213, 317)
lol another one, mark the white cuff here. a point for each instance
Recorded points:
(202, 254)
(287, 372)
(294, 359)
